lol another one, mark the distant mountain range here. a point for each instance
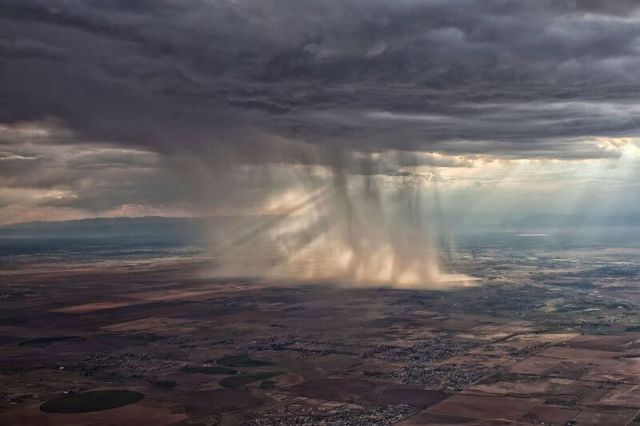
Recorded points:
(101, 227)
(184, 226)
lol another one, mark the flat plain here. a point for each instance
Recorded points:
(544, 340)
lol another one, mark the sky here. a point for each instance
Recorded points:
(499, 111)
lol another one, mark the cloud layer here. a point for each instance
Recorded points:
(503, 77)
(260, 81)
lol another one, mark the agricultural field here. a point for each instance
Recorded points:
(95, 344)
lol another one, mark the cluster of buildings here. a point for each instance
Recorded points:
(303, 345)
(433, 350)
(345, 415)
(453, 377)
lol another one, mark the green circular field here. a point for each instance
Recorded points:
(85, 402)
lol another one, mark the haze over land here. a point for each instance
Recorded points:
(351, 117)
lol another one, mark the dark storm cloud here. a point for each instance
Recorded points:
(28, 49)
(235, 80)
